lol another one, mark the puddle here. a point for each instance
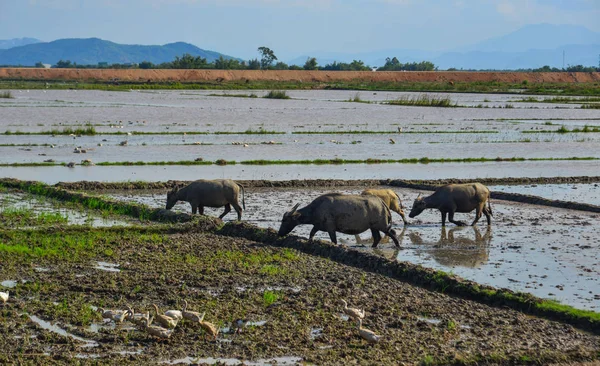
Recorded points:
(234, 361)
(9, 283)
(259, 323)
(83, 355)
(106, 266)
(316, 333)
(125, 353)
(433, 321)
(41, 269)
(584, 193)
(55, 329)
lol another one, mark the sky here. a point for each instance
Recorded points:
(289, 27)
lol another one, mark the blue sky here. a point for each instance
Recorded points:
(290, 27)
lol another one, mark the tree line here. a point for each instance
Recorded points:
(268, 61)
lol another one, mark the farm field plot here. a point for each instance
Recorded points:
(524, 291)
(60, 278)
(549, 252)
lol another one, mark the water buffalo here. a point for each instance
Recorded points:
(348, 214)
(453, 198)
(390, 198)
(209, 193)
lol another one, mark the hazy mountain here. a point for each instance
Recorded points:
(586, 55)
(16, 42)
(539, 37)
(528, 47)
(90, 51)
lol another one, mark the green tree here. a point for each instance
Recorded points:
(281, 66)
(39, 64)
(267, 57)
(146, 65)
(254, 64)
(310, 64)
(63, 64)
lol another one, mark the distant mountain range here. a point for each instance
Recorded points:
(16, 42)
(91, 51)
(531, 46)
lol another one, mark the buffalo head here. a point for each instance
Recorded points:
(418, 206)
(290, 220)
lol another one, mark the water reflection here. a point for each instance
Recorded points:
(459, 250)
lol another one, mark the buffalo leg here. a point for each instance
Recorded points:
(376, 237)
(451, 219)
(403, 217)
(194, 209)
(478, 213)
(443, 218)
(227, 210)
(333, 237)
(488, 215)
(312, 233)
(201, 210)
(392, 234)
(237, 209)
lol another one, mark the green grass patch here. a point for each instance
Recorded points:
(423, 100)
(562, 89)
(28, 217)
(270, 297)
(367, 132)
(563, 129)
(335, 161)
(590, 106)
(277, 94)
(7, 94)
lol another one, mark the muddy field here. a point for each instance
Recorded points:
(290, 300)
(549, 252)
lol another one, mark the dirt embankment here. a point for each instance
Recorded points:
(189, 76)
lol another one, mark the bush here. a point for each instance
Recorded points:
(277, 94)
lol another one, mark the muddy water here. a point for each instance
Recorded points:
(584, 193)
(551, 253)
(52, 175)
(308, 147)
(15, 200)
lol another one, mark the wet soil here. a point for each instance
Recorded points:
(295, 295)
(548, 252)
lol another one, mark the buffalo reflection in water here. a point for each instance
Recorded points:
(456, 251)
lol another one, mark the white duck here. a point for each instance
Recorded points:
(115, 315)
(138, 319)
(4, 297)
(367, 334)
(155, 331)
(191, 315)
(354, 313)
(164, 320)
(174, 314)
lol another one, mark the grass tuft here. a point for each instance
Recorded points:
(277, 94)
(6, 94)
(424, 100)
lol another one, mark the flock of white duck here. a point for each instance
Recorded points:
(168, 321)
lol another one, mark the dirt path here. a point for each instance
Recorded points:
(289, 75)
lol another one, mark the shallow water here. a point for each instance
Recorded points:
(549, 252)
(584, 193)
(56, 329)
(532, 169)
(74, 217)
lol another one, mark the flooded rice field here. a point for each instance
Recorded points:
(187, 125)
(20, 210)
(548, 252)
(59, 274)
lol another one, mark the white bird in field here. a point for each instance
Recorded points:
(4, 297)
(354, 313)
(191, 315)
(175, 314)
(399, 129)
(366, 334)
